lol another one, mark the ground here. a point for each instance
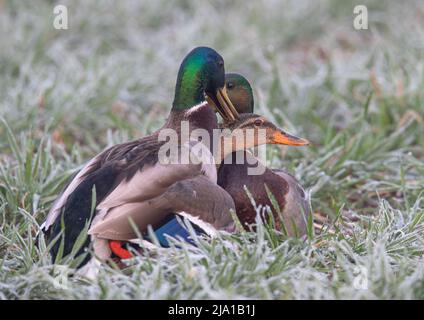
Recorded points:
(357, 95)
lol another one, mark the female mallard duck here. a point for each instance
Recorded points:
(287, 191)
(130, 181)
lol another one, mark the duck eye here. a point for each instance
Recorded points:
(221, 63)
(258, 122)
(230, 85)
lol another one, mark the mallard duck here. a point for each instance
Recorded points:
(289, 195)
(130, 181)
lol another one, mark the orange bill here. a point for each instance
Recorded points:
(282, 137)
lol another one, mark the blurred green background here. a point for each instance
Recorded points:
(358, 96)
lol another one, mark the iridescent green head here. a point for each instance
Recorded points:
(240, 92)
(202, 77)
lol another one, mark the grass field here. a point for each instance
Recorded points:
(358, 96)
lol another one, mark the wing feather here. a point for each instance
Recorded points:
(198, 198)
(154, 192)
(61, 200)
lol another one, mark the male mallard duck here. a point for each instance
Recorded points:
(287, 191)
(130, 181)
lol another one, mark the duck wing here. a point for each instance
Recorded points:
(60, 201)
(297, 205)
(90, 167)
(160, 189)
(72, 211)
(198, 199)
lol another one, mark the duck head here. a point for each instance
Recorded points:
(255, 130)
(202, 77)
(251, 130)
(251, 124)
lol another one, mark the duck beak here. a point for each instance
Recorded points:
(282, 137)
(222, 103)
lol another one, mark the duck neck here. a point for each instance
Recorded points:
(232, 156)
(189, 90)
(200, 116)
(223, 150)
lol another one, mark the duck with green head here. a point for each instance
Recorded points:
(129, 181)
